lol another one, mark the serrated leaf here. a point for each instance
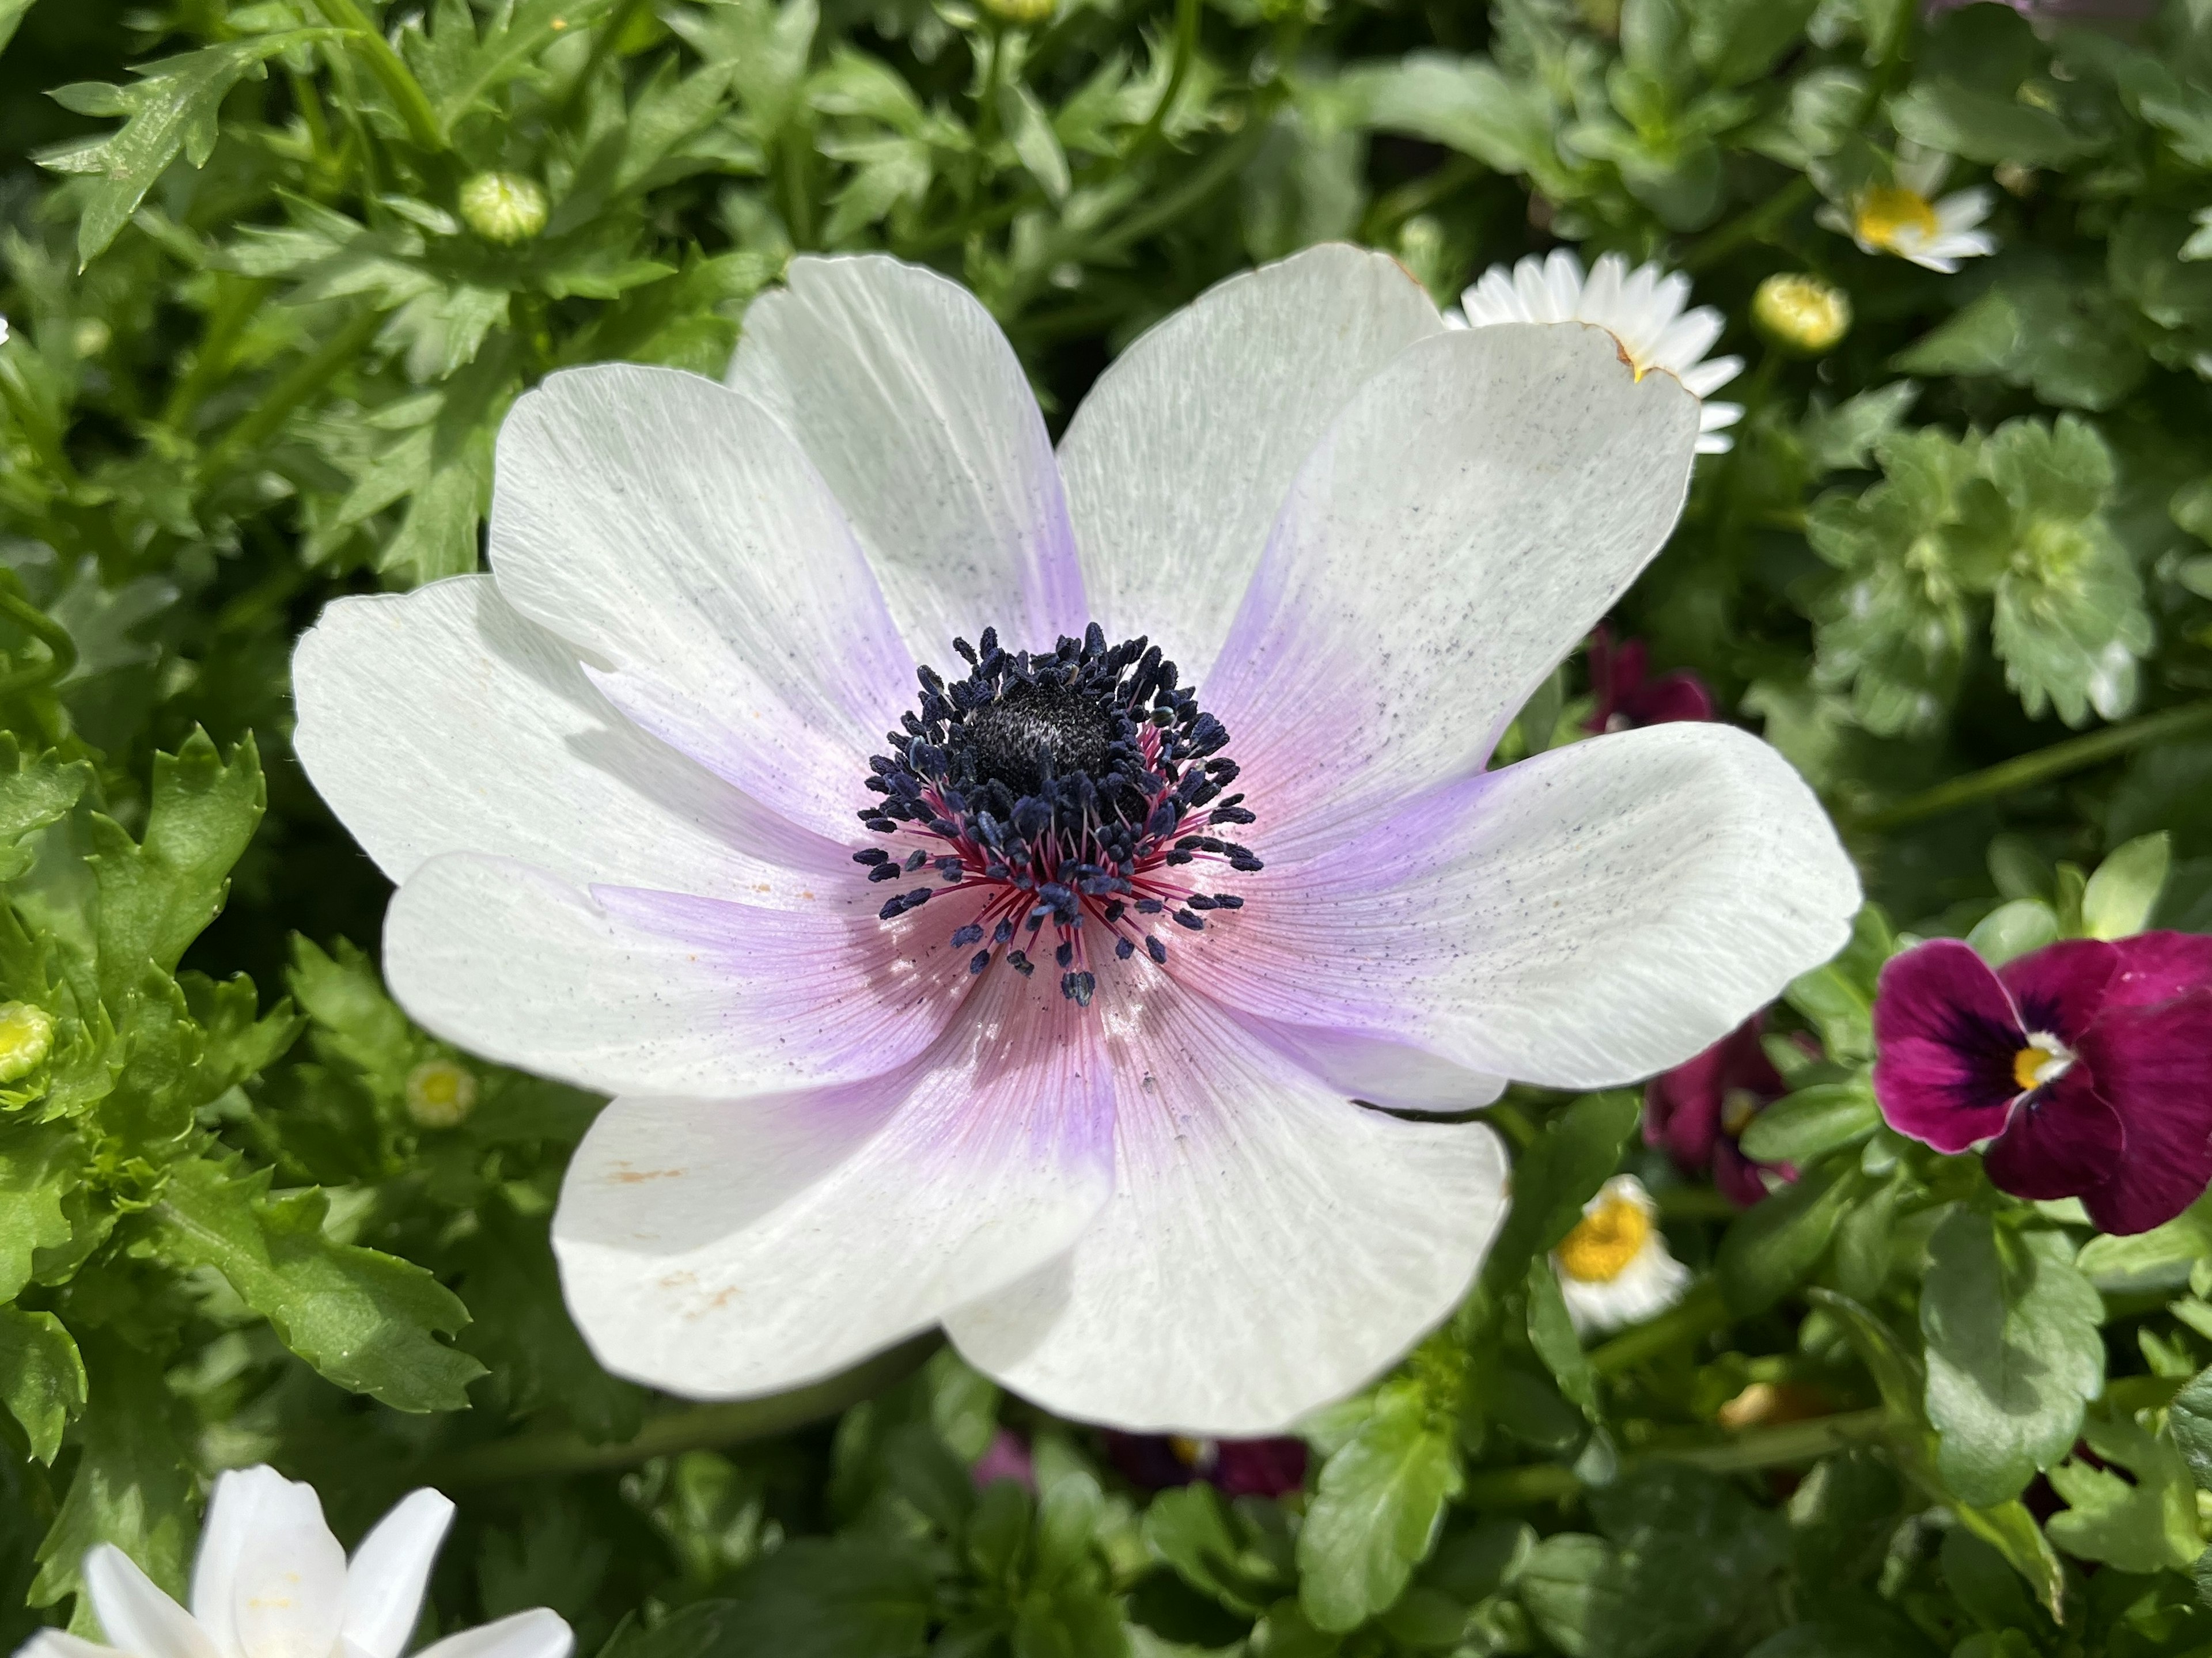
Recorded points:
(41, 1377)
(38, 1169)
(35, 790)
(1376, 1512)
(2014, 1353)
(157, 894)
(171, 107)
(368, 1321)
(2143, 1520)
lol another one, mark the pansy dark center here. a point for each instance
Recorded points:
(1078, 789)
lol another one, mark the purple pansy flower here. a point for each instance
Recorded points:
(1007, 1457)
(1627, 697)
(1235, 1468)
(1699, 1110)
(2086, 1066)
(1030, 982)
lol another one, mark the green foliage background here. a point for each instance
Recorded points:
(1957, 569)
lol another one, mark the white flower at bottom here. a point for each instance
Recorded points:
(1908, 219)
(1614, 1268)
(270, 1581)
(1641, 309)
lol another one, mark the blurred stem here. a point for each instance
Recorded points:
(1199, 183)
(1419, 195)
(1698, 1313)
(603, 47)
(61, 649)
(1747, 226)
(391, 71)
(697, 1427)
(1780, 1446)
(233, 309)
(307, 376)
(1186, 48)
(2027, 770)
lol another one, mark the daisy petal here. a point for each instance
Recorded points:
(60, 1643)
(440, 721)
(1587, 917)
(671, 528)
(637, 991)
(1181, 455)
(720, 1248)
(232, 1524)
(288, 1594)
(537, 1633)
(1269, 1246)
(1477, 507)
(135, 1614)
(903, 391)
(385, 1577)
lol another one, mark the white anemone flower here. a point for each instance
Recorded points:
(270, 1581)
(1907, 218)
(1642, 308)
(1614, 1269)
(651, 837)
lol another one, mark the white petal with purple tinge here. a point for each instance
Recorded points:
(675, 532)
(734, 1248)
(1479, 505)
(1269, 1247)
(901, 389)
(1587, 917)
(1180, 457)
(440, 721)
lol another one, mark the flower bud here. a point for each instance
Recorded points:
(441, 1093)
(26, 1037)
(504, 207)
(1801, 314)
(1022, 13)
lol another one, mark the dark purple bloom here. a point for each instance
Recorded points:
(1699, 1110)
(2086, 1066)
(1007, 1457)
(1235, 1467)
(1627, 699)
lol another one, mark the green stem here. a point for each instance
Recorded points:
(2027, 770)
(700, 1427)
(1748, 226)
(391, 71)
(307, 376)
(1186, 48)
(1698, 1313)
(1199, 183)
(61, 649)
(603, 47)
(1780, 1446)
(1416, 196)
(226, 321)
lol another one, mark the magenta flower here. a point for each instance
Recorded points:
(1698, 1111)
(1627, 697)
(2086, 1066)
(1031, 982)
(1007, 1457)
(1235, 1468)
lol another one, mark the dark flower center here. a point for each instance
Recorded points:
(1076, 788)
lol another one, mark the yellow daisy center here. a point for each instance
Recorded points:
(1605, 1241)
(441, 1094)
(1889, 213)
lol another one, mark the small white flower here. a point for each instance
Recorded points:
(1641, 309)
(1614, 1268)
(1908, 219)
(270, 1581)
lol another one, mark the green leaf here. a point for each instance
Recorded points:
(2144, 1520)
(2066, 339)
(39, 1167)
(1579, 1148)
(41, 1377)
(2157, 1259)
(2010, 1529)
(2122, 894)
(132, 1484)
(1843, 437)
(1551, 1333)
(1374, 1515)
(2014, 1353)
(846, 1597)
(1774, 1245)
(1029, 130)
(2189, 1419)
(1215, 1549)
(1806, 1126)
(11, 18)
(157, 894)
(2013, 929)
(35, 790)
(366, 1321)
(1839, 996)
(172, 107)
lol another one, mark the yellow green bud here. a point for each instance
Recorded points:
(504, 207)
(1801, 314)
(441, 1093)
(27, 1038)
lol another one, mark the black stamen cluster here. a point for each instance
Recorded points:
(1069, 780)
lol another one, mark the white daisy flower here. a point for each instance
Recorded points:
(995, 882)
(1908, 219)
(1641, 309)
(270, 1581)
(1614, 1268)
